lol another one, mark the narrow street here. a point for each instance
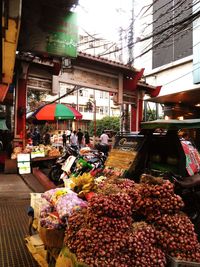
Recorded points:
(14, 201)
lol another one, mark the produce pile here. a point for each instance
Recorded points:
(103, 235)
(36, 151)
(130, 224)
(61, 203)
(156, 199)
(176, 237)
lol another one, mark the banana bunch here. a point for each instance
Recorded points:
(83, 184)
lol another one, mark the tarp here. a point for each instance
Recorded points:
(3, 125)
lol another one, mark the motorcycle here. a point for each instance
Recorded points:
(56, 169)
(76, 162)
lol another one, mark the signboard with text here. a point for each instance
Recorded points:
(47, 29)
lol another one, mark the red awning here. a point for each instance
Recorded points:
(78, 115)
(3, 91)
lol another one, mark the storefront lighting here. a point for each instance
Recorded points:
(181, 118)
(167, 118)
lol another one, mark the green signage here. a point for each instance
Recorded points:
(63, 38)
(48, 29)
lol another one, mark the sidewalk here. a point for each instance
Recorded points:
(14, 202)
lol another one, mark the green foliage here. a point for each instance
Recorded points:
(107, 123)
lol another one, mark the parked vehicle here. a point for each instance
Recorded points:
(56, 169)
(162, 152)
(76, 162)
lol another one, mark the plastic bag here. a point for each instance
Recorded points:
(67, 204)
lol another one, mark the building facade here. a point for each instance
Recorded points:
(167, 44)
(102, 101)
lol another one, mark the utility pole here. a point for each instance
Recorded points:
(131, 37)
(130, 62)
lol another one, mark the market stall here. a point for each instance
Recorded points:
(104, 219)
(112, 221)
(30, 156)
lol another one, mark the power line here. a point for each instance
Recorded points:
(185, 21)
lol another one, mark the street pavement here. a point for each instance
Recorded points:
(14, 203)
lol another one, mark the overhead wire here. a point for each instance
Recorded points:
(190, 19)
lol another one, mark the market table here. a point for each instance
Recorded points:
(44, 158)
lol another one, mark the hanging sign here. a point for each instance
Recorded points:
(51, 30)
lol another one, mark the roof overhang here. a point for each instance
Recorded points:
(171, 124)
(189, 98)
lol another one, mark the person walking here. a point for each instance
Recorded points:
(87, 138)
(104, 147)
(104, 138)
(74, 139)
(80, 137)
(36, 137)
(64, 139)
(47, 138)
(68, 134)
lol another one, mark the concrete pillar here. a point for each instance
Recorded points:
(20, 106)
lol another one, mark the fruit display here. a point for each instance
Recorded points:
(61, 203)
(82, 184)
(36, 151)
(176, 237)
(157, 199)
(123, 223)
(103, 235)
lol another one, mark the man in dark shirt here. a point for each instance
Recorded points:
(80, 137)
(64, 138)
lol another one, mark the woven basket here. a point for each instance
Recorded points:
(52, 238)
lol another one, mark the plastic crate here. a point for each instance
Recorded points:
(173, 262)
(36, 203)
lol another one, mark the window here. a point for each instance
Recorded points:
(175, 42)
(81, 108)
(101, 94)
(101, 110)
(104, 94)
(106, 110)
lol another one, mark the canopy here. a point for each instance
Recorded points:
(171, 124)
(3, 125)
(57, 111)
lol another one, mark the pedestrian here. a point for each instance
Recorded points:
(68, 134)
(36, 137)
(47, 138)
(104, 147)
(80, 137)
(64, 139)
(87, 138)
(104, 138)
(74, 139)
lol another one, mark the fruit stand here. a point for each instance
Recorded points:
(106, 219)
(32, 156)
(119, 223)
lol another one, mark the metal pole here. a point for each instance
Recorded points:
(95, 124)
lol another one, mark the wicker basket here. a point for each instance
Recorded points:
(52, 238)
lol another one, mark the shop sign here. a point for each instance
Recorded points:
(23, 163)
(51, 30)
(89, 79)
(129, 143)
(39, 84)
